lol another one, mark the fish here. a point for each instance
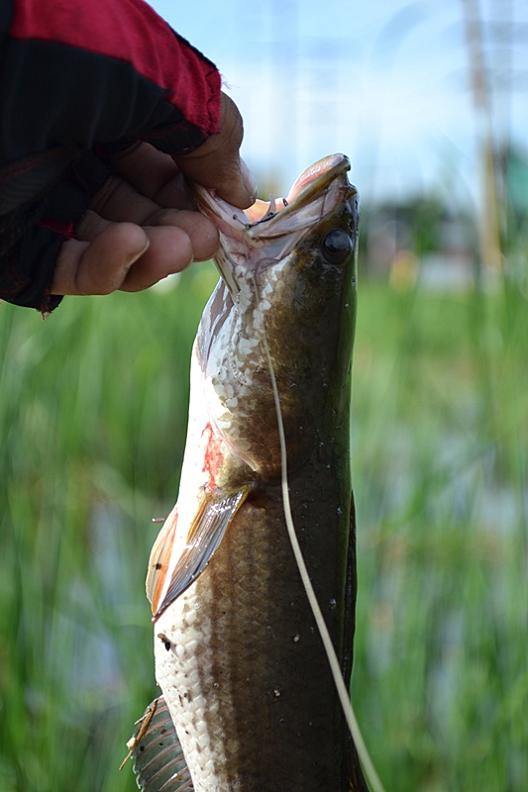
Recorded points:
(248, 702)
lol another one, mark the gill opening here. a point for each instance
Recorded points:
(372, 777)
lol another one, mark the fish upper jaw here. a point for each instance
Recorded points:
(270, 231)
(257, 221)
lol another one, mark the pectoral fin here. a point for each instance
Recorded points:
(214, 515)
(160, 558)
(159, 764)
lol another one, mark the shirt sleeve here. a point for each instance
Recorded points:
(80, 72)
(78, 76)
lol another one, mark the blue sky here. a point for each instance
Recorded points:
(384, 81)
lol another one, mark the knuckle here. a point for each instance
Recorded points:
(107, 193)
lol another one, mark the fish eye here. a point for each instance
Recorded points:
(336, 246)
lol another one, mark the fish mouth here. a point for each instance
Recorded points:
(315, 193)
(268, 231)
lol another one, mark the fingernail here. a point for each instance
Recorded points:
(248, 180)
(135, 256)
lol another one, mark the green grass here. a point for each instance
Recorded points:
(92, 420)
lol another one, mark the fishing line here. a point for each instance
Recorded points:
(342, 692)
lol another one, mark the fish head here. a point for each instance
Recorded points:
(286, 297)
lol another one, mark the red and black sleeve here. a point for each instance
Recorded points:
(80, 79)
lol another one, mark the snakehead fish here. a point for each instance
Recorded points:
(248, 702)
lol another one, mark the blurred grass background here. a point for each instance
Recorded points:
(92, 417)
(93, 408)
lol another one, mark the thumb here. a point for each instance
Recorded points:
(216, 164)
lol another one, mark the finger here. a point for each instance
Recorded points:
(216, 163)
(120, 202)
(115, 260)
(100, 266)
(154, 174)
(90, 226)
(202, 233)
(169, 251)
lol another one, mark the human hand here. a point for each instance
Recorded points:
(142, 225)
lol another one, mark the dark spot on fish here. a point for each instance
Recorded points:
(165, 641)
(285, 202)
(158, 565)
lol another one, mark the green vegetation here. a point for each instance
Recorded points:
(92, 420)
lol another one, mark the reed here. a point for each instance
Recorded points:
(92, 419)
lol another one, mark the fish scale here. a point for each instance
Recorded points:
(215, 739)
(239, 660)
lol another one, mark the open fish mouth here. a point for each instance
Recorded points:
(269, 393)
(317, 188)
(269, 230)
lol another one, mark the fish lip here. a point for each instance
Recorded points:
(314, 195)
(317, 177)
(311, 183)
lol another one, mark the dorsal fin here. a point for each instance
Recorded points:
(159, 764)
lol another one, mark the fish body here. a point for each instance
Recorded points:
(239, 660)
